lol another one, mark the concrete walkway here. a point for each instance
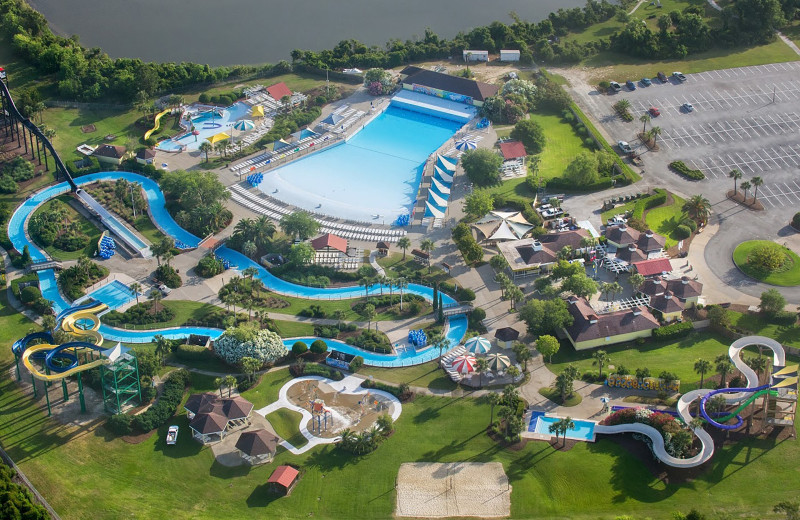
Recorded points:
(349, 385)
(373, 261)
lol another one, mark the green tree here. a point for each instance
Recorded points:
(299, 224)
(49, 323)
(565, 381)
(772, 302)
(767, 257)
(218, 382)
(531, 134)
(136, 288)
(580, 285)
(701, 366)
(163, 347)
(561, 427)
(723, 368)
(582, 170)
(547, 346)
(654, 133)
(230, 383)
(746, 187)
(644, 118)
(401, 283)
(523, 354)
(155, 296)
(758, 363)
(735, 175)
(481, 366)
(482, 166)
(545, 316)
(757, 181)
(339, 315)
(250, 366)
(404, 243)
(698, 208)
(600, 359)
(301, 254)
(205, 148)
(428, 246)
(789, 508)
(498, 263)
(514, 294)
(440, 342)
(494, 399)
(368, 313)
(636, 280)
(479, 203)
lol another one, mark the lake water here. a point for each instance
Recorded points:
(226, 32)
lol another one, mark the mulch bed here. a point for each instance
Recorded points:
(88, 129)
(753, 205)
(137, 439)
(516, 446)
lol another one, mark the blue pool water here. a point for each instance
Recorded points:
(376, 172)
(114, 294)
(47, 280)
(583, 431)
(207, 125)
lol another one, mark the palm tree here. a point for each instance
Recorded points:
(404, 243)
(645, 118)
(746, 186)
(735, 175)
(654, 133)
(155, 296)
(757, 181)
(230, 382)
(439, 341)
(135, 288)
(616, 288)
(494, 399)
(636, 280)
(565, 253)
(481, 366)
(759, 364)
(427, 245)
(701, 366)
(250, 273)
(339, 315)
(221, 147)
(401, 283)
(562, 426)
(218, 382)
(264, 230)
(206, 147)
(698, 208)
(365, 282)
(624, 104)
(723, 368)
(167, 256)
(600, 358)
(605, 288)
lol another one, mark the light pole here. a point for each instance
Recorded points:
(133, 204)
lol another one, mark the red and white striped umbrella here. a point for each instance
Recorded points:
(464, 364)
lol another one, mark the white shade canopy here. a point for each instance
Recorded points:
(464, 364)
(478, 345)
(498, 361)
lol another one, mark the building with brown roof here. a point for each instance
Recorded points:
(631, 254)
(652, 267)
(668, 305)
(109, 153)
(257, 446)
(146, 156)
(531, 256)
(590, 329)
(654, 287)
(621, 236)
(513, 150)
(686, 290)
(279, 90)
(445, 86)
(205, 411)
(283, 479)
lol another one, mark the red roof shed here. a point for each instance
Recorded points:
(513, 150)
(283, 476)
(278, 90)
(329, 241)
(653, 266)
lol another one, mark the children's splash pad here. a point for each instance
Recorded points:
(206, 121)
(334, 411)
(328, 407)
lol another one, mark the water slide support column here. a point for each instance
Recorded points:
(80, 394)
(64, 388)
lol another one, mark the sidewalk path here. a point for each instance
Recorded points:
(373, 261)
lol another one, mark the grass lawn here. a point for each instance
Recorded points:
(148, 230)
(266, 391)
(664, 220)
(759, 325)
(287, 425)
(793, 31)
(296, 81)
(562, 145)
(619, 210)
(87, 227)
(555, 396)
(293, 329)
(789, 276)
(426, 375)
(675, 356)
(395, 266)
(620, 67)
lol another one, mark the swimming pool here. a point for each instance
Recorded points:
(376, 172)
(114, 294)
(207, 124)
(583, 430)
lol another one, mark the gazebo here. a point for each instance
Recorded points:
(383, 248)
(283, 479)
(497, 226)
(206, 426)
(257, 446)
(237, 410)
(506, 337)
(201, 403)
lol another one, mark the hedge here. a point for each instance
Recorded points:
(166, 405)
(630, 175)
(683, 231)
(193, 352)
(377, 385)
(567, 185)
(315, 369)
(674, 330)
(680, 167)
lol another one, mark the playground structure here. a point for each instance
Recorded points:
(156, 123)
(319, 416)
(779, 394)
(119, 371)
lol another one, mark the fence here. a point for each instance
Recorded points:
(28, 484)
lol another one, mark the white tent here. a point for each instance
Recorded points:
(115, 352)
(434, 211)
(443, 189)
(439, 201)
(447, 163)
(503, 232)
(503, 225)
(443, 175)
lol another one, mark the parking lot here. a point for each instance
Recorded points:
(745, 118)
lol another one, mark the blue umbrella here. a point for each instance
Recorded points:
(466, 144)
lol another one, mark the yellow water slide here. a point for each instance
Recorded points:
(157, 122)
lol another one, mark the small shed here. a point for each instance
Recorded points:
(145, 156)
(257, 446)
(339, 359)
(421, 256)
(473, 55)
(513, 151)
(383, 248)
(283, 479)
(199, 340)
(509, 55)
(506, 337)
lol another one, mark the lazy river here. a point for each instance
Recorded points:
(456, 328)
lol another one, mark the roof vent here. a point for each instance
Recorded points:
(637, 311)
(536, 245)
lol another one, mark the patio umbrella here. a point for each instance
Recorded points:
(466, 144)
(214, 139)
(258, 111)
(498, 361)
(464, 364)
(244, 125)
(478, 345)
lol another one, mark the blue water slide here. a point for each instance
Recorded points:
(739, 420)
(20, 345)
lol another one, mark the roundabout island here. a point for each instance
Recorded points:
(768, 262)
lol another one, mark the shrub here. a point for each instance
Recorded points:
(767, 257)
(319, 347)
(30, 295)
(476, 317)
(139, 314)
(372, 340)
(167, 275)
(796, 221)
(673, 330)
(356, 364)
(192, 352)
(203, 98)
(316, 369)
(119, 424)
(682, 231)
(239, 342)
(465, 295)
(209, 266)
(396, 391)
(165, 407)
(680, 167)
(299, 348)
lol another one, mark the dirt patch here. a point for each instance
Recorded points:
(137, 439)
(749, 203)
(434, 490)
(88, 129)
(275, 303)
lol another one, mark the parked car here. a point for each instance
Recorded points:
(662, 77)
(614, 86)
(172, 435)
(631, 85)
(654, 112)
(646, 82)
(164, 289)
(679, 75)
(688, 107)
(624, 146)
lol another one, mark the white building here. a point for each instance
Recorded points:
(509, 55)
(475, 55)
